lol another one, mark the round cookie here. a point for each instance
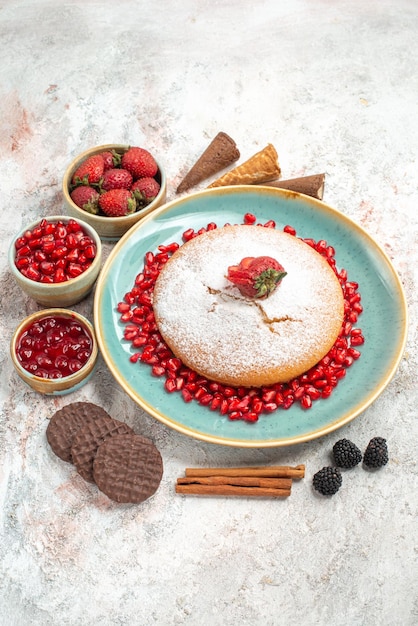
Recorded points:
(240, 341)
(65, 423)
(88, 439)
(128, 468)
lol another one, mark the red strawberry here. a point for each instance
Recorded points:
(145, 188)
(139, 162)
(116, 178)
(89, 171)
(86, 198)
(111, 159)
(256, 277)
(117, 202)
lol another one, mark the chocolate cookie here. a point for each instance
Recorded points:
(88, 439)
(65, 423)
(128, 468)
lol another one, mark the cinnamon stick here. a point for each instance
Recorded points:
(232, 490)
(309, 185)
(238, 481)
(278, 471)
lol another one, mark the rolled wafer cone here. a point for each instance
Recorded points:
(309, 185)
(220, 153)
(260, 168)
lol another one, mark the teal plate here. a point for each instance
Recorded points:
(383, 321)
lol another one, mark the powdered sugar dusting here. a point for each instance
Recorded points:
(226, 337)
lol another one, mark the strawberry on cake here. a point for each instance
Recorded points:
(248, 306)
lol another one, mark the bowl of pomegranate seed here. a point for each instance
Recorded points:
(54, 351)
(56, 260)
(112, 187)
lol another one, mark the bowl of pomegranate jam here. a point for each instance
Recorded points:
(54, 351)
(56, 260)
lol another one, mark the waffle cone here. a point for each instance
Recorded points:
(260, 168)
(220, 153)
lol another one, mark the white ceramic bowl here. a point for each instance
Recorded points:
(109, 228)
(58, 294)
(67, 383)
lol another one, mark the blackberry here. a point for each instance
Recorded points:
(346, 453)
(327, 481)
(376, 454)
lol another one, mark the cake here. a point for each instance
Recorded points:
(241, 341)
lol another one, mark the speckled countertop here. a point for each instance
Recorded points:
(334, 86)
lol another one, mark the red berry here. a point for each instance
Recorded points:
(116, 178)
(145, 188)
(111, 159)
(86, 198)
(117, 202)
(89, 171)
(139, 162)
(256, 277)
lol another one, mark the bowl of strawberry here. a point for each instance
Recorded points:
(112, 187)
(54, 351)
(56, 260)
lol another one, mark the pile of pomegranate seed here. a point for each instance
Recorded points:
(54, 347)
(54, 252)
(237, 403)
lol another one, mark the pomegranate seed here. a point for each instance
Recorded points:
(205, 399)
(216, 402)
(24, 251)
(270, 406)
(188, 234)
(270, 224)
(123, 307)
(289, 230)
(170, 385)
(250, 218)
(74, 270)
(320, 383)
(299, 393)
(201, 391)
(306, 401)
(287, 402)
(257, 405)
(223, 409)
(22, 263)
(251, 417)
(174, 364)
(32, 273)
(310, 242)
(187, 396)
(269, 395)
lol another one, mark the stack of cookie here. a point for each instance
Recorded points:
(125, 466)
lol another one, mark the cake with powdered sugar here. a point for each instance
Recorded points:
(237, 340)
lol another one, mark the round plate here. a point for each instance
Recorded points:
(383, 321)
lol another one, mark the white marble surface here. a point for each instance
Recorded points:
(334, 86)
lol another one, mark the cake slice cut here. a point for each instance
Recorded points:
(260, 168)
(220, 153)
